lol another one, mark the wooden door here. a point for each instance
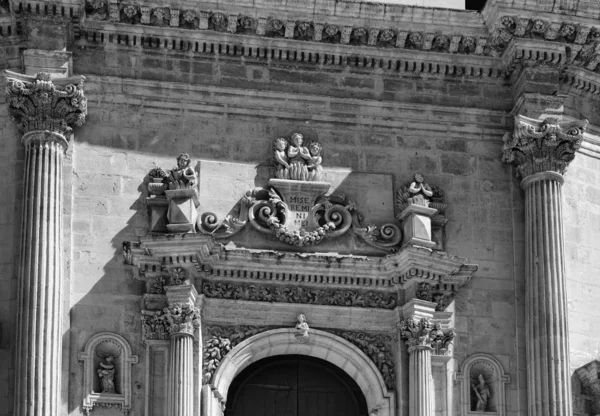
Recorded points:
(294, 386)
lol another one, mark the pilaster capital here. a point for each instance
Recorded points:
(423, 334)
(542, 145)
(41, 103)
(181, 319)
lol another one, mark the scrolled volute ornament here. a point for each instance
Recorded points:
(540, 146)
(40, 103)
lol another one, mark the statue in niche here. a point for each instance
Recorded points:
(295, 161)
(183, 176)
(481, 395)
(106, 372)
(302, 327)
(420, 191)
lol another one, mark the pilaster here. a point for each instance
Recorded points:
(45, 112)
(182, 318)
(541, 151)
(422, 338)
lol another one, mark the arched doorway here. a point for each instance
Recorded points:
(294, 385)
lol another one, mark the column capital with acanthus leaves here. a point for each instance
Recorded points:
(542, 145)
(40, 103)
(423, 334)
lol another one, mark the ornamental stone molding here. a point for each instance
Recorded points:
(298, 294)
(419, 333)
(323, 345)
(540, 146)
(42, 103)
(266, 275)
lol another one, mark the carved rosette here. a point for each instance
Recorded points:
(39, 103)
(181, 319)
(421, 333)
(541, 146)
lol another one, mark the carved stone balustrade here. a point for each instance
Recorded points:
(46, 111)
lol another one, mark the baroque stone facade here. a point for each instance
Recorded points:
(196, 193)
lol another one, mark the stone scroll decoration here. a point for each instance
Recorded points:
(179, 318)
(421, 332)
(107, 360)
(378, 348)
(482, 381)
(539, 146)
(173, 199)
(298, 294)
(295, 209)
(40, 103)
(218, 341)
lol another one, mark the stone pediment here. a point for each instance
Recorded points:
(234, 273)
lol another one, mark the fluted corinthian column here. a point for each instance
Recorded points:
(183, 319)
(541, 150)
(421, 338)
(45, 112)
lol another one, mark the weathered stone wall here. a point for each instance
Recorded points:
(582, 234)
(133, 125)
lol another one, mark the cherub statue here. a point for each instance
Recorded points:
(182, 176)
(420, 190)
(106, 372)
(482, 394)
(298, 156)
(302, 327)
(279, 151)
(315, 170)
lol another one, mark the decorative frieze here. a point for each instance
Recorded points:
(378, 348)
(539, 146)
(40, 103)
(589, 375)
(298, 294)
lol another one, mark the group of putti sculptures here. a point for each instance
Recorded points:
(295, 161)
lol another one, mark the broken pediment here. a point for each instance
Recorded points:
(294, 204)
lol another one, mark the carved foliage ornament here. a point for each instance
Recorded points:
(218, 341)
(422, 333)
(297, 294)
(377, 348)
(179, 318)
(38, 103)
(536, 146)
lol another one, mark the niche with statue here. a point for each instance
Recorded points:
(107, 361)
(483, 383)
